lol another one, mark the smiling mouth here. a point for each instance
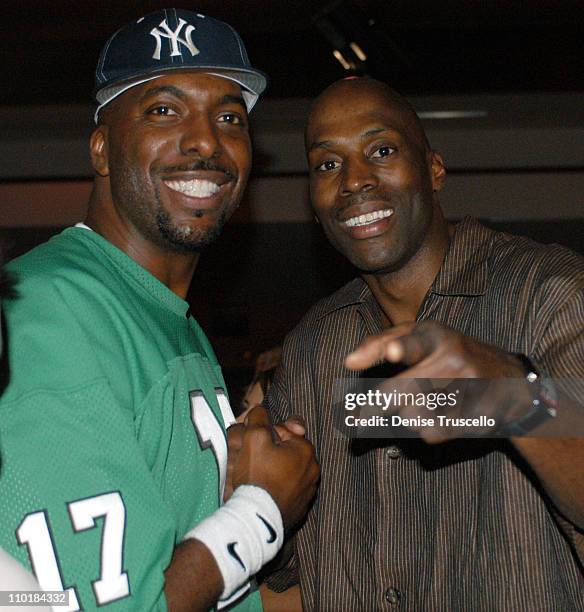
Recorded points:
(368, 218)
(194, 188)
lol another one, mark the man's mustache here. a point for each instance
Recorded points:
(360, 198)
(196, 166)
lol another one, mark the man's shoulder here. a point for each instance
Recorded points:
(71, 270)
(547, 264)
(59, 314)
(65, 254)
(476, 242)
(550, 254)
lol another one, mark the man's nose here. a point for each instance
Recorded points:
(200, 138)
(358, 175)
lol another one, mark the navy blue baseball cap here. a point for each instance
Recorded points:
(174, 39)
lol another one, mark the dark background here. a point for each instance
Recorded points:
(50, 48)
(255, 283)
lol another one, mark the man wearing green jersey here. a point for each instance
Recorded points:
(119, 485)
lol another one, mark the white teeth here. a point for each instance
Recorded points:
(195, 188)
(368, 218)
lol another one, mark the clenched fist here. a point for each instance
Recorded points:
(278, 459)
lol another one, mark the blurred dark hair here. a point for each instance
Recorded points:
(266, 364)
(6, 281)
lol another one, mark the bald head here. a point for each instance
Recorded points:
(368, 94)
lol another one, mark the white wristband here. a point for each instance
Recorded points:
(243, 535)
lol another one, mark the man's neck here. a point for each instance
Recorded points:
(175, 270)
(402, 292)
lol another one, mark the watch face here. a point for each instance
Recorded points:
(544, 401)
(540, 412)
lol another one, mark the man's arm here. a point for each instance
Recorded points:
(193, 581)
(191, 558)
(274, 459)
(432, 351)
(556, 452)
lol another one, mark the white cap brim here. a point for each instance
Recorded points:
(106, 95)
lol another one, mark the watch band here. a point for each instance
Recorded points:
(543, 403)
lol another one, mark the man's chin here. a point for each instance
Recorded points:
(376, 266)
(188, 239)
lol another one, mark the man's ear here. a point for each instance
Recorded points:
(98, 148)
(438, 171)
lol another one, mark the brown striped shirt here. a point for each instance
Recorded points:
(400, 525)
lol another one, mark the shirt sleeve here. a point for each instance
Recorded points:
(558, 332)
(560, 354)
(560, 346)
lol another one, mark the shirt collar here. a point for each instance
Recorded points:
(354, 292)
(463, 272)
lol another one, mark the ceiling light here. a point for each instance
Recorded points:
(452, 114)
(344, 63)
(358, 51)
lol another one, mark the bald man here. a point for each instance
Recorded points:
(439, 521)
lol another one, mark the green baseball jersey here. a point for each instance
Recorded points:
(112, 426)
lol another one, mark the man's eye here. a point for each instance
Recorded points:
(232, 118)
(162, 110)
(329, 164)
(384, 151)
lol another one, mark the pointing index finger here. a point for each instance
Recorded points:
(416, 346)
(373, 349)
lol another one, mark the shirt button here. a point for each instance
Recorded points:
(393, 452)
(392, 596)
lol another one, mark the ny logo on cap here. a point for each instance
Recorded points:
(166, 32)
